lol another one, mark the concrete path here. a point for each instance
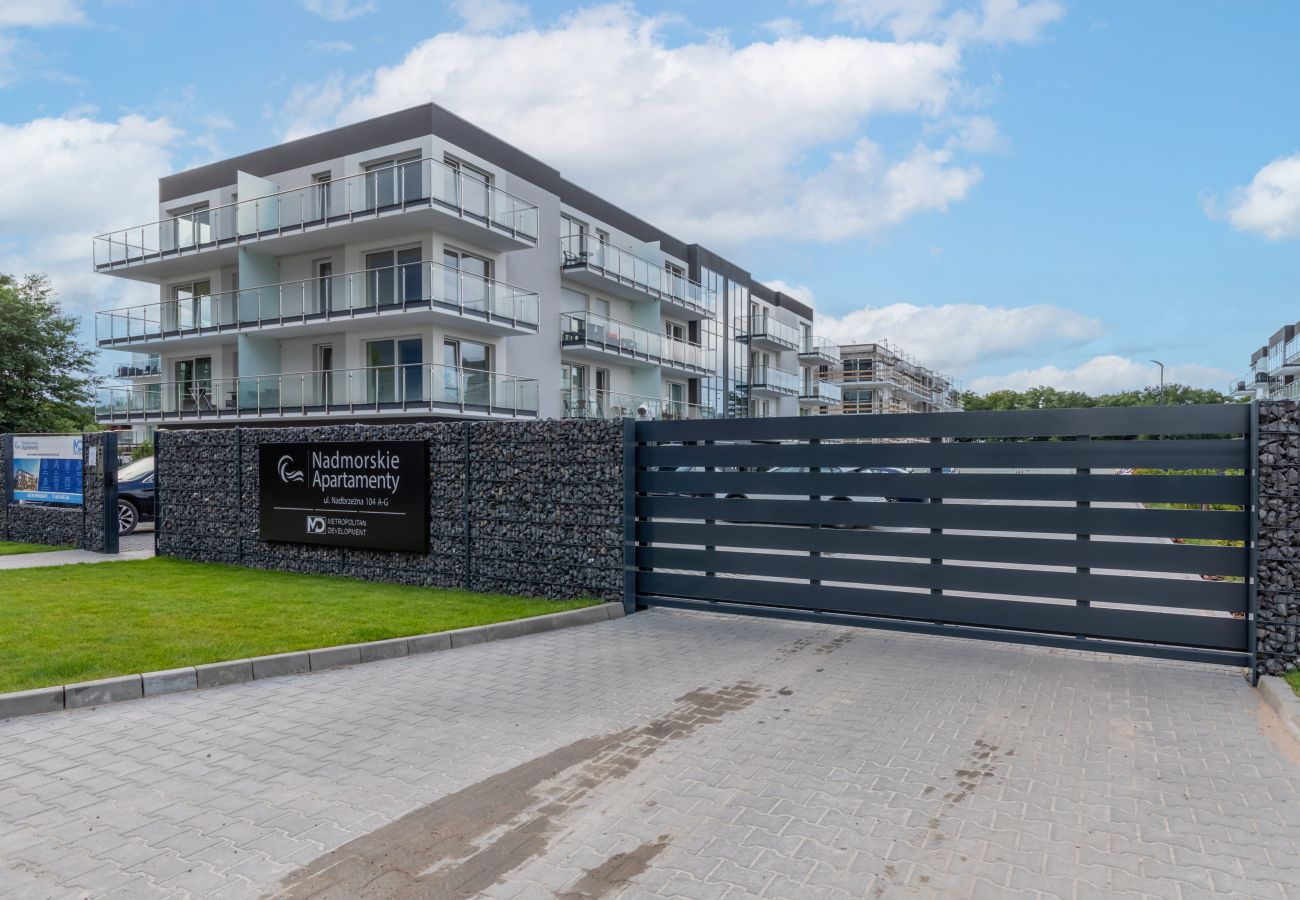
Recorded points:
(669, 755)
(69, 557)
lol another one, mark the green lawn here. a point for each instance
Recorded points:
(10, 548)
(60, 624)
(1293, 679)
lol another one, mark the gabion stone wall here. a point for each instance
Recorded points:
(544, 513)
(96, 494)
(1278, 571)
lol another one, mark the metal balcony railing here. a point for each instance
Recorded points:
(593, 404)
(1286, 392)
(416, 184)
(140, 367)
(587, 329)
(765, 326)
(822, 391)
(423, 285)
(769, 378)
(411, 387)
(582, 251)
(819, 347)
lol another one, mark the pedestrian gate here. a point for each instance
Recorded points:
(1118, 529)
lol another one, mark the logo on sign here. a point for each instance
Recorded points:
(287, 470)
(315, 524)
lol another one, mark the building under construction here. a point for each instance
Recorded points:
(879, 378)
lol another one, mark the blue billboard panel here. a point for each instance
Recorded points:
(47, 469)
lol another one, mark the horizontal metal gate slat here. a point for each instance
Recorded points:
(1219, 489)
(1118, 589)
(1091, 621)
(1215, 525)
(1100, 454)
(1097, 554)
(1097, 422)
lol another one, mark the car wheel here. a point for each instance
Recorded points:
(128, 517)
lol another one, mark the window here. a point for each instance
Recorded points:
(193, 383)
(467, 372)
(573, 388)
(394, 276)
(191, 226)
(465, 279)
(674, 331)
(469, 187)
(321, 195)
(394, 370)
(324, 354)
(190, 306)
(393, 182)
(676, 280)
(675, 400)
(324, 292)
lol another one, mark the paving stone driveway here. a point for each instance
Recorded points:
(668, 755)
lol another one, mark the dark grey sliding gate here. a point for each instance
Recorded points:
(1013, 526)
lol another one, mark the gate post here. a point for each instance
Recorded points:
(629, 516)
(1276, 602)
(108, 485)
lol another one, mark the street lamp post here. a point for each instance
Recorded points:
(1162, 380)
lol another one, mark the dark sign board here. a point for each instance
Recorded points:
(371, 494)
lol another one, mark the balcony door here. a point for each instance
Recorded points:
(323, 289)
(573, 388)
(193, 383)
(395, 370)
(190, 307)
(393, 277)
(325, 374)
(470, 188)
(675, 400)
(465, 280)
(393, 182)
(467, 372)
(191, 227)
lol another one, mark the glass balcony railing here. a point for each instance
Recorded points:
(413, 387)
(1286, 392)
(819, 347)
(581, 251)
(768, 378)
(140, 367)
(423, 183)
(423, 285)
(586, 329)
(764, 326)
(594, 404)
(821, 391)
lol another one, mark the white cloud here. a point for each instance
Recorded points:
(955, 336)
(714, 141)
(1104, 374)
(40, 13)
(489, 15)
(783, 27)
(339, 10)
(82, 176)
(330, 46)
(988, 21)
(800, 292)
(1269, 205)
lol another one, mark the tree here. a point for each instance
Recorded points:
(46, 375)
(1044, 397)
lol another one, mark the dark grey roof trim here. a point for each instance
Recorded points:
(582, 199)
(799, 308)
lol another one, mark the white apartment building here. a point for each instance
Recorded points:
(414, 265)
(1274, 369)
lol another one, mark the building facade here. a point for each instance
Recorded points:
(879, 378)
(415, 265)
(1274, 368)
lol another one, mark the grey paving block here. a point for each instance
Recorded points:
(428, 643)
(105, 690)
(468, 637)
(281, 664)
(377, 650)
(333, 657)
(170, 681)
(217, 674)
(27, 703)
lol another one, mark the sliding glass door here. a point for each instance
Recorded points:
(395, 370)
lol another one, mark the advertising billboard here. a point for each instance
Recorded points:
(46, 468)
(371, 494)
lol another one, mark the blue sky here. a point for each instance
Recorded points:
(1018, 191)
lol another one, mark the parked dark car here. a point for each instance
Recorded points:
(135, 491)
(892, 470)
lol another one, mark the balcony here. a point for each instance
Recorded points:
(819, 393)
(599, 264)
(590, 335)
(768, 381)
(817, 351)
(762, 332)
(423, 389)
(422, 291)
(1286, 392)
(426, 193)
(141, 367)
(593, 404)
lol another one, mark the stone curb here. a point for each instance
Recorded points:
(1282, 700)
(188, 678)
